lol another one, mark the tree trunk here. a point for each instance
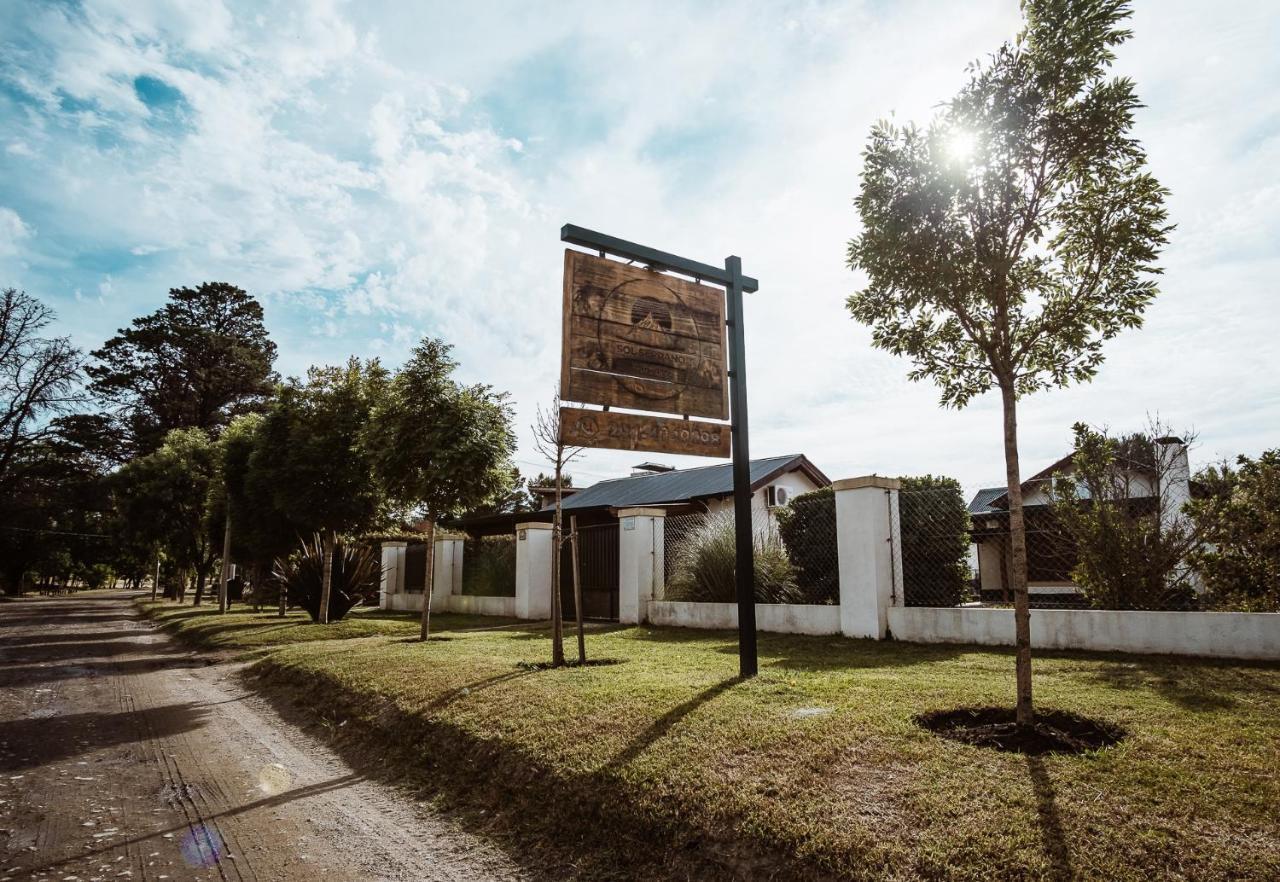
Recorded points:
(1018, 545)
(577, 590)
(155, 583)
(326, 581)
(202, 578)
(429, 589)
(226, 564)
(283, 598)
(557, 614)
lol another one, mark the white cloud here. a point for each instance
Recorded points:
(381, 175)
(13, 232)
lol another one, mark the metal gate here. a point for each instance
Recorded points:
(598, 566)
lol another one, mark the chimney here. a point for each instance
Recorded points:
(1174, 488)
(1174, 476)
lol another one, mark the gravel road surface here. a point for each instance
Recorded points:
(125, 757)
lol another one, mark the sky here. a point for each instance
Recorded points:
(379, 172)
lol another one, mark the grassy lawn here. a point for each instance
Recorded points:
(242, 628)
(813, 768)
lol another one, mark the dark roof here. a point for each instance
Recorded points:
(981, 503)
(684, 485)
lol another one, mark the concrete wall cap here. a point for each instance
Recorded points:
(866, 481)
(642, 512)
(534, 525)
(450, 537)
(395, 543)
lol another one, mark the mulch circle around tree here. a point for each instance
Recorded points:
(1053, 731)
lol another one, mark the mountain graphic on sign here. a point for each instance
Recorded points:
(649, 323)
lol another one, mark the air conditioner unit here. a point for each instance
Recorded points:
(778, 496)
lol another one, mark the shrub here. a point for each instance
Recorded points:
(1130, 552)
(1238, 518)
(704, 566)
(489, 566)
(356, 571)
(934, 522)
(807, 525)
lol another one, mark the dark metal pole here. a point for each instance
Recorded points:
(744, 571)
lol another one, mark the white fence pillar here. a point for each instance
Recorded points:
(641, 533)
(448, 570)
(392, 572)
(533, 570)
(866, 512)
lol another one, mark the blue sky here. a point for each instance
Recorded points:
(375, 173)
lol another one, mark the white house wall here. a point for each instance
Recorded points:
(795, 483)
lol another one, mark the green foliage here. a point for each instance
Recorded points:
(1011, 262)
(437, 445)
(704, 566)
(489, 566)
(162, 498)
(1239, 521)
(1130, 553)
(807, 525)
(309, 459)
(261, 531)
(356, 573)
(934, 523)
(196, 362)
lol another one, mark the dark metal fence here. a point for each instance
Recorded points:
(489, 566)
(597, 569)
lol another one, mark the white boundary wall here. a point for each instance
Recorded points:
(783, 618)
(1217, 634)
(456, 603)
(447, 596)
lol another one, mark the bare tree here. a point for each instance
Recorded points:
(38, 378)
(549, 440)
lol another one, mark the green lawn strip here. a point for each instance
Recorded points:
(666, 746)
(243, 628)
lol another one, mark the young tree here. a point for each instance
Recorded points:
(1006, 241)
(550, 443)
(440, 447)
(196, 362)
(309, 454)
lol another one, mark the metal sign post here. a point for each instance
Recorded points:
(735, 284)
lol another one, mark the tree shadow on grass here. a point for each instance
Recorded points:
(1195, 685)
(447, 698)
(661, 726)
(1052, 836)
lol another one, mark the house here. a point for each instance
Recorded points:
(595, 511)
(774, 481)
(1050, 553)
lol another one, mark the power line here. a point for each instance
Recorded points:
(57, 532)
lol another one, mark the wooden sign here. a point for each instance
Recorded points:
(642, 340)
(631, 431)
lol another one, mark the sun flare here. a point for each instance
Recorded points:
(960, 146)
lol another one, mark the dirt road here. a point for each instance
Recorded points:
(124, 757)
